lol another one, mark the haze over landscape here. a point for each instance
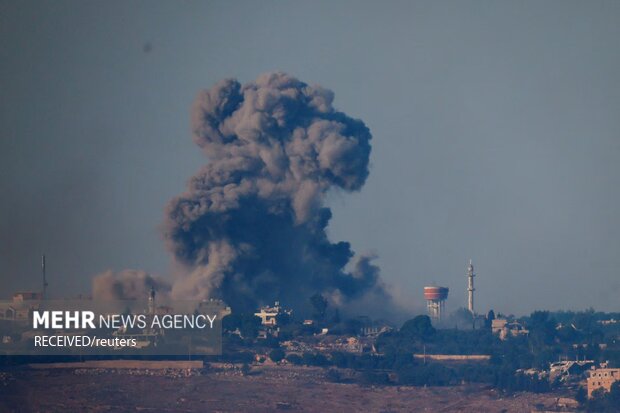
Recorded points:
(494, 137)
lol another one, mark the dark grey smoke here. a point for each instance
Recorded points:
(251, 227)
(127, 285)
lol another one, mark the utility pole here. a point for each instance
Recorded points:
(44, 279)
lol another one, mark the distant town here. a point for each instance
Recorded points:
(575, 353)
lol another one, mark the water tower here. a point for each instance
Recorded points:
(436, 301)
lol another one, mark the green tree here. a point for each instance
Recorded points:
(294, 359)
(581, 396)
(418, 327)
(283, 319)
(277, 355)
(247, 323)
(490, 318)
(339, 359)
(333, 375)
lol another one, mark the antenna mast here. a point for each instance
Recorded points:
(44, 279)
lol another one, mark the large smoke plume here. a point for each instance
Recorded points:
(250, 228)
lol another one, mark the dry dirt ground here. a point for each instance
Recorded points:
(266, 390)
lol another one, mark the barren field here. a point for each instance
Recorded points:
(267, 389)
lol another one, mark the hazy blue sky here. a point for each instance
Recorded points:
(496, 135)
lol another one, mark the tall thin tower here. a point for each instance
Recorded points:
(470, 287)
(44, 279)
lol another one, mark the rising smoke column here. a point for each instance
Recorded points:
(127, 285)
(250, 228)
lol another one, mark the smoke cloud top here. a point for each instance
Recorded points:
(250, 228)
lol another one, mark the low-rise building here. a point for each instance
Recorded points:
(602, 378)
(15, 312)
(269, 315)
(21, 307)
(505, 328)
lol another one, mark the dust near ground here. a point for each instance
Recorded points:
(266, 389)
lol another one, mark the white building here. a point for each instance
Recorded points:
(269, 315)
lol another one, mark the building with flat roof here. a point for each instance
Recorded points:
(505, 328)
(602, 378)
(269, 315)
(21, 307)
